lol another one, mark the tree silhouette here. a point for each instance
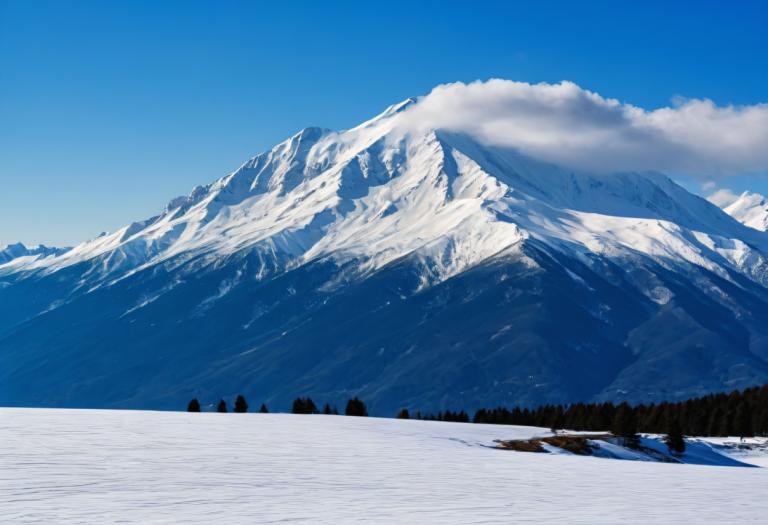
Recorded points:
(222, 406)
(356, 407)
(404, 414)
(241, 406)
(625, 424)
(742, 421)
(674, 440)
(263, 409)
(193, 406)
(304, 405)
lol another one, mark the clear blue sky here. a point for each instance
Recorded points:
(109, 109)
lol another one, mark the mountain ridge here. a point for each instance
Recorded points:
(13, 251)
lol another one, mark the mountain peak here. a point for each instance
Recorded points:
(750, 209)
(397, 108)
(374, 194)
(386, 115)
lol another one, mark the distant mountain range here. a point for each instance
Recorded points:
(14, 251)
(424, 270)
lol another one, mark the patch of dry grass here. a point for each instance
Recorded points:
(576, 444)
(522, 445)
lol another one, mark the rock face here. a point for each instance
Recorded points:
(423, 270)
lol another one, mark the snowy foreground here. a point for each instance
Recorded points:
(92, 466)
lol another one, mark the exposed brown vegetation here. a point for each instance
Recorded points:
(576, 444)
(522, 445)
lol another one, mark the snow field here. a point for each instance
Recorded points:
(97, 466)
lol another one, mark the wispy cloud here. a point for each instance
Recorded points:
(566, 124)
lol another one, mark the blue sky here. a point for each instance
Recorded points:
(109, 109)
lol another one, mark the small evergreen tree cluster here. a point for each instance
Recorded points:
(356, 407)
(304, 405)
(301, 405)
(448, 415)
(240, 406)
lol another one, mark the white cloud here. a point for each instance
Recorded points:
(722, 197)
(565, 124)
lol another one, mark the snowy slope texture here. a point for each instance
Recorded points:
(750, 209)
(98, 466)
(413, 267)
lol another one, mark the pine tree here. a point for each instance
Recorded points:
(241, 406)
(674, 440)
(625, 425)
(715, 423)
(742, 421)
(222, 406)
(327, 409)
(555, 419)
(403, 414)
(762, 421)
(356, 407)
(263, 409)
(193, 406)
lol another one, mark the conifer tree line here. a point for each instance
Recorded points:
(739, 413)
(448, 415)
(240, 406)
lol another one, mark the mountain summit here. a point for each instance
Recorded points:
(409, 266)
(750, 209)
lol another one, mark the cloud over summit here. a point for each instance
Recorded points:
(566, 124)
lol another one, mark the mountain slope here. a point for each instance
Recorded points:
(422, 269)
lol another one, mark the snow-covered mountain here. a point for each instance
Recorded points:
(14, 251)
(750, 209)
(412, 268)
